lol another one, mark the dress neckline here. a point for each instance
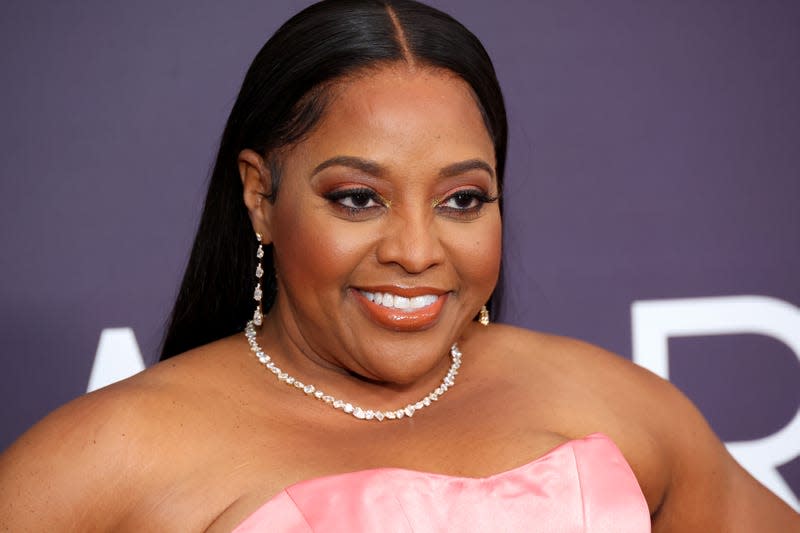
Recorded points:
(508, 472)
(591, 465)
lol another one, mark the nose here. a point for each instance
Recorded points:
(412, 241)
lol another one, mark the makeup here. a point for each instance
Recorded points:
(402, 308)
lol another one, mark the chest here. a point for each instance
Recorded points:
(247, 458)
(577, 477)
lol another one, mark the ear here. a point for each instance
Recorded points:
(257, 185)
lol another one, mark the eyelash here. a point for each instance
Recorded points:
(473, 195)
(336, 197)
(369, 195)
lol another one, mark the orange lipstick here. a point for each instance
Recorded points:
(403, 318)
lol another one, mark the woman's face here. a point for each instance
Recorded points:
(386, 237)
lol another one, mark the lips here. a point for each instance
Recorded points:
(402, 309)
(402, 303)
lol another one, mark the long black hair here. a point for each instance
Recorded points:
(283, 96)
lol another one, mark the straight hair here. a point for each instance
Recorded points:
(283, 96)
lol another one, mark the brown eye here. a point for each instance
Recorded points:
(465, 204)
(466, 200)
(462, 200)
(358, 200)
(355, 201)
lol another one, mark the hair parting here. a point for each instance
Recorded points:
(283, 96)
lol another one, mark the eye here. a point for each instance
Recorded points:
(358, 200)
(355, 201)
(465, 203)
(463, 200)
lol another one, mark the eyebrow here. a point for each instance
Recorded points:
(463, 166)
(364, 165)
(375, 169)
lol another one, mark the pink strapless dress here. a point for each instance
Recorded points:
(582, 485)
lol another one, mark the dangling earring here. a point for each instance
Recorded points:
(258, 317)
(483, 317)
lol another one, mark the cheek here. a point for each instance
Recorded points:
(315, 250)
(479, 250)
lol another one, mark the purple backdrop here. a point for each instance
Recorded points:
(655, 154)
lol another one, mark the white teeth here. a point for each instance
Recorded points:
(422, 301)
(400, 302)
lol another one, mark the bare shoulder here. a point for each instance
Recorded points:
(580, 363)
(52, 473)
(92, 461)
(691, 481)
(588, 389)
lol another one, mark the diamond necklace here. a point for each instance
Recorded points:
(346, 407)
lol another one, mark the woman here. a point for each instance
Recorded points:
(368, 144)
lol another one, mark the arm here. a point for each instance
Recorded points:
(708, 490)
(690, 480)
(69, 471)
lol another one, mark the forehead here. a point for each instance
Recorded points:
(403, 115)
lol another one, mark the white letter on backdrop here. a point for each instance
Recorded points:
(654, 321)
(117, 358)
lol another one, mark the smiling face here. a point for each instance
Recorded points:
(385, 230)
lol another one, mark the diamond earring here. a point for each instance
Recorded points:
(258, 317)
(483, 317)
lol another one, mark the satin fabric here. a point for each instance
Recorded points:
(583, 485)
